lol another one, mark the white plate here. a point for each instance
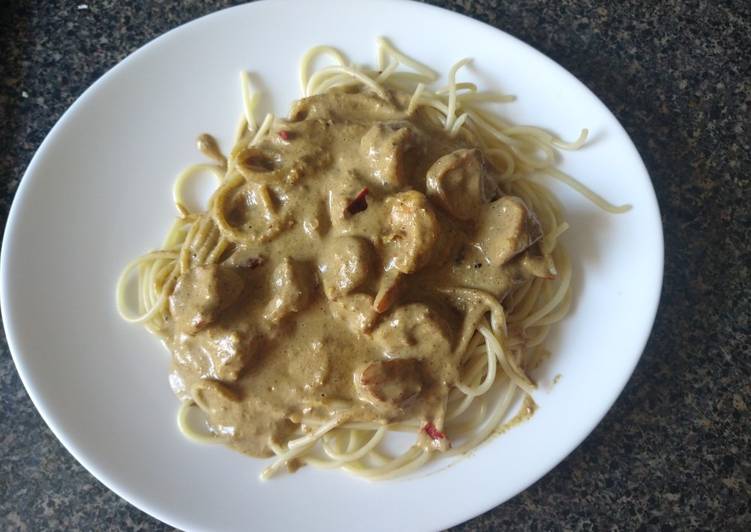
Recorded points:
(98, 192)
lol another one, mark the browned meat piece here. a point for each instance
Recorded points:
(412, 231)
(356, 310)
(459, 183)
(391, 384)
(201, 294)
(230, 351)
(220, 352)
(506, 228)
(345, 265)
(291, 285)
(385, 147)
(413, 331)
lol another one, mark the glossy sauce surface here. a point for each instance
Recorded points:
(346, 222)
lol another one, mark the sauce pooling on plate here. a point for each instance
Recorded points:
(340, 268)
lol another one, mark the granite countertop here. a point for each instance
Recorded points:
(674, 452)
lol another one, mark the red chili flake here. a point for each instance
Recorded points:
(358, 204)
(433, 432)
(284, 135)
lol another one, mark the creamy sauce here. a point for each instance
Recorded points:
(343, 224)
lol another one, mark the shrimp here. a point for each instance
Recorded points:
(412, 231)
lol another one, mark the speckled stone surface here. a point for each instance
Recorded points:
(674, 452)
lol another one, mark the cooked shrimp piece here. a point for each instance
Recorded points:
(412, 231)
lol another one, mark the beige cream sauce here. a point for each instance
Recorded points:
(309, 318)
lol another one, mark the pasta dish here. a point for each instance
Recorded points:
(384, 260)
